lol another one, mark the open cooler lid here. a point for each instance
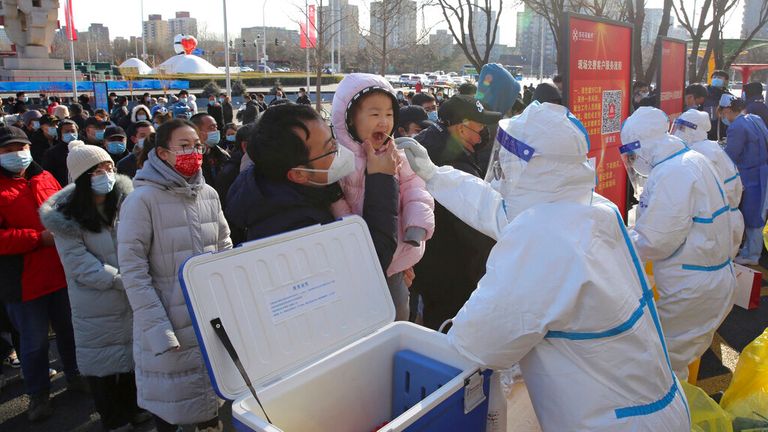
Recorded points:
(286, 301)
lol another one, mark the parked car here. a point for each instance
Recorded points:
(264, 69)
(407, 79)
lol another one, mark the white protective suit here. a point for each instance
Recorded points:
(683, 227)
(564, 292)
(692, 127)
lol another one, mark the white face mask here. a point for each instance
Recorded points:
(141, 117)
(343, 165)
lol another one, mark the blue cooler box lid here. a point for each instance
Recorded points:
(286, 301)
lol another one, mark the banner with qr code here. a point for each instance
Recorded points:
(597, 81)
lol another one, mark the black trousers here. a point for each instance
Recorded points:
(115, 398)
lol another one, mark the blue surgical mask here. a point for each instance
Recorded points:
(183, 100)
(139, 145)
(68, 137)
(213, 138)
(221, 100)
(432, 116)
(99, 134)
(211, 102)
(141, 117)
(230, 138)
(24, 99)
(16, 162)
(725, 121)
(116, 147)
(53, 131)
(103, 184)
(718, 82)
(35, 125)
(156, 125)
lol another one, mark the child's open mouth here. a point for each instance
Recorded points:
(379, 139)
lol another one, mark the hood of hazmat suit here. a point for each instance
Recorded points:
(683, 226)
(692, 127)
(564, 292)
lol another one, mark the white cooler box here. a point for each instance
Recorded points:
(310, 316)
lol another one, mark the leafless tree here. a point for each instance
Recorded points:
(324, 30)
(762, 21)
(462, 16)
(710, 17)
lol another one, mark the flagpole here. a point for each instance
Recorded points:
(306, 33)
(72, 63)
(226, 53)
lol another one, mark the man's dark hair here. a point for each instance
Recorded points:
(737, 105)
(64, 123)
(697, 90)
(183, 92)
(720, 73)
(753, 89)
(164, 132)
(122, 100)
(93, 121)
(112, 94)
(197, 119)
(468, 89)
(275, 146)
(75, 109)
(20, 94)
(557, 78)
(639, 84)
(133, 129)
(243, 133)
(422, 98)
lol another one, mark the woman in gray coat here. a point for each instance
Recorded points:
(82, 218)
(170, 216)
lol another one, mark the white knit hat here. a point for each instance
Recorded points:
(83, 157)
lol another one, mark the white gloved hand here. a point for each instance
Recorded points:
(418, 158)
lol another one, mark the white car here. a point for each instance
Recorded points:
(406, 80)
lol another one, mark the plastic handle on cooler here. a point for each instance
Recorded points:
(218, 327)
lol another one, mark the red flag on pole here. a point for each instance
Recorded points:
(308, 36)
(71, 32)
(312, 29)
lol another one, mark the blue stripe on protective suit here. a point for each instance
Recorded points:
(730, 179)
(709, 220)
(621, 328)
(672, 156)
(646, 300)
(706, 268)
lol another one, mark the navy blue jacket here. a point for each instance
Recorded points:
(758, 108)
(257, 207)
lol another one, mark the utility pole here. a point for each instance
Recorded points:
(143, 36)
(226, 52)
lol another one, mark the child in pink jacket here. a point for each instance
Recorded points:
(365, 108)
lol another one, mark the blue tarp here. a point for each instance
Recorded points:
(87, 86)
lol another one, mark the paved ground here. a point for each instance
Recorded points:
(75, 411)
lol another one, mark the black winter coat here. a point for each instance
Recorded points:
(454, 260)
(55, 162)
(258, 207)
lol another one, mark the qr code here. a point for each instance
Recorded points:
(611, 111)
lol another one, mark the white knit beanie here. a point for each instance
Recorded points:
(83, 157)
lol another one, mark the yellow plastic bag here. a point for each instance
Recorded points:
(747, 396)
(706, 414)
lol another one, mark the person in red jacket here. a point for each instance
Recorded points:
(33, 286)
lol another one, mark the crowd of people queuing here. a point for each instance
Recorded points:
(99, 209)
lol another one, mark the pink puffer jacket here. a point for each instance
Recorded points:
(416, 204)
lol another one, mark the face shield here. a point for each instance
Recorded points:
(681, 128)
(509, 158)
(638, 167)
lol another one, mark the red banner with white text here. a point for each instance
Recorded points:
(598, 77)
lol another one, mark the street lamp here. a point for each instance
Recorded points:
(264, 33)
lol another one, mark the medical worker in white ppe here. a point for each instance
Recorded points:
(564, 292)
(683, 227)
(692, 127)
